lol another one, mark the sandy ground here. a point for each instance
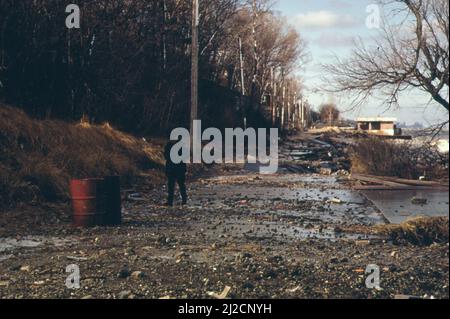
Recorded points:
(278, 236)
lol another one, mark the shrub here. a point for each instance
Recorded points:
(377, 156)
(422, 231)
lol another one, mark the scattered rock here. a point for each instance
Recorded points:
(181, 255)
(334, 201)
(75, 258)
(125, 294)
(270, 273)
(406, 297)
(248, 285)
(326, 171)
(124, 273)
(135, 197)
(334, 260)
(25, 268)
(294, 290)
(419, 201)
(362, 242)
(245, 255)
(137, 274)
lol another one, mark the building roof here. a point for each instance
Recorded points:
(376, 119)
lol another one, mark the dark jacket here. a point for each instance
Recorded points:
(172, 168)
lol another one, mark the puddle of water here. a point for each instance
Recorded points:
(243, 228)
(397, 206)
(315, 202)
(293, 178)
(5, 257)
(12, 243)
(330, 214)
(221, 192)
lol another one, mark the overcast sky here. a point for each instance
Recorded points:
(330, 26)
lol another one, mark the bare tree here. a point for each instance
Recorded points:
(329, 113)
(279, 47)
(412, 54)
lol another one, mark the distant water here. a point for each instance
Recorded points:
(444, 135)
(441, 140)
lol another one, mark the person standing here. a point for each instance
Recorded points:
(175, 173)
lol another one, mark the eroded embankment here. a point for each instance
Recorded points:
(39, 157)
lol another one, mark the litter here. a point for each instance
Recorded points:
(222, 295)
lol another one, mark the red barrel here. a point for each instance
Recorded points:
(113, 205)
(88, 202)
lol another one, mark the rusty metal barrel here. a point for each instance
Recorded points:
(113, 205)
(88, 202)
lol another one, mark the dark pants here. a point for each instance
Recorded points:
(180, 179)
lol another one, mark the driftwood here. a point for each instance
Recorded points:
(399, 188)
(394, 183)
(411, 181)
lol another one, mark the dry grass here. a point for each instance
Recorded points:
(376, 156)
(422, 231)
(39, 158)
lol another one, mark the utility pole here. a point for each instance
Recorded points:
(194, 66)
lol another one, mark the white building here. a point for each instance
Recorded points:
(379, 126)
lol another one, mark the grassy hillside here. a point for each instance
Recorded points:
(39, 157)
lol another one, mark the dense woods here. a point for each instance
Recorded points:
(129, 62)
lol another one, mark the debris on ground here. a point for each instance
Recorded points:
(294, 234)
(422, 231)
(419, 201)
(222, 295)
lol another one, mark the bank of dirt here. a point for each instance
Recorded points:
(39, 157)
